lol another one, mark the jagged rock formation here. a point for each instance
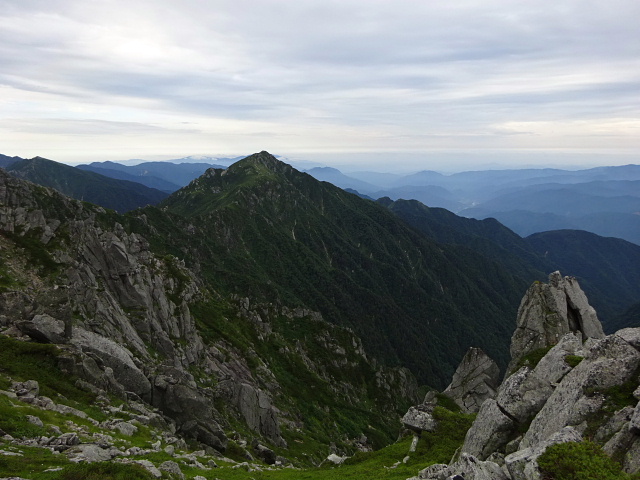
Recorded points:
(573, 392)
(476, 379)
(419, 418)
(548, 312)
(71, 274)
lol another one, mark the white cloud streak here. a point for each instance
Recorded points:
(316, 76)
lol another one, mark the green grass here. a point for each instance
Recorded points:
(34, 361)
(573, 360)
(98, 471)
(15, 423)
(580, 461)
(434, 447)
(532, 358)
(32, 462)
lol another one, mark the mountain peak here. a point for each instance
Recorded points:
(263, 159)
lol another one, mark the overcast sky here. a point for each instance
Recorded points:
(426, 84)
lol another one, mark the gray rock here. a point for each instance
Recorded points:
(67, 410)
(258, 412)
(550, 311)
(553, 367)
(435, 472)
(491, 430)
(191, 411)
(612, 426)
(44, 328)
(634, 422)
(30, 388)
(267, 455)
(336, 459)
(420, 418)
(631, 461)
(523, 394)
(609, 362)
(631, 336)
(475, 380)
(91, 453)
(172, 468)
(35, 420)
(149, 466)
(116, 357)
(621, 444)
(62, 442)
(126, 428)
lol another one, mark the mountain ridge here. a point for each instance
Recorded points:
(119, 195)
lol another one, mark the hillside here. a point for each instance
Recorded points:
(263, 227)
(119, 195)
(130, 325)
(606, 267)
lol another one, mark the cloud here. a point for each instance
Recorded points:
(317, 70)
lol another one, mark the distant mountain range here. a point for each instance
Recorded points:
(603, 200)
(165, 176)
(5, 160)
(119, 195)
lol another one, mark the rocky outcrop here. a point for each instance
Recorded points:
(548, 312)
(574, 390)
(258, 412)
(420, 418)
(116, 357)
(474, 381)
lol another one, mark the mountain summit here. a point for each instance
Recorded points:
(260, 226)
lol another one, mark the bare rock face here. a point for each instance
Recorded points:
(548, 312)
(44, 328)
(475, 380)
(570, 392)
(116, 357)
(491, 431)
(257, 410)
(609, 362)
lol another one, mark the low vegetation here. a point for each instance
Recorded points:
(580, 461)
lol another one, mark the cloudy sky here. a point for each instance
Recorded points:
(425, 84)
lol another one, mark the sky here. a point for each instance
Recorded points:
(388, 84)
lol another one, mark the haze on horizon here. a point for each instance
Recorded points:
(416, 85)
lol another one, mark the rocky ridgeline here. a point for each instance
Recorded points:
(121, 317)
(560, 388)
